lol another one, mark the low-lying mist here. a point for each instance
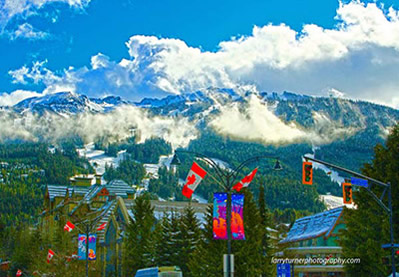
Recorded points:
(256, 122)
(115, 126)
(249, 121)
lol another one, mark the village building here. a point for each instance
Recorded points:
(313, 239)
(87, 201)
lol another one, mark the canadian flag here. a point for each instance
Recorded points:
(69, 226)
(194, 177)
(102, 226)
(245, 181)
(50, 255)
(19, 273)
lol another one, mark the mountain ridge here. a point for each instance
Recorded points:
(328, 117)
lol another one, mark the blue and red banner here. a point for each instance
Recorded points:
(82, 246)
(237, 219)
(92, 246)
(219, 216)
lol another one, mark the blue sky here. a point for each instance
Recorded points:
(69, 33)
(104, 26)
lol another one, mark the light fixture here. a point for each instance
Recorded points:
(277, 166)
(175, 161)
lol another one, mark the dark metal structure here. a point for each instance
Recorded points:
(388, 210)
(226, 178)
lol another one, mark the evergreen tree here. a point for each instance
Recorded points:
(265, 221)
(249, 259)
(190, 234)
(164, 249)
(368, 225)
(175, 239)
(22, 257)
(140, 252)
(207, 258)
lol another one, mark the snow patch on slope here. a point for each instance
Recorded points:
(98, 159)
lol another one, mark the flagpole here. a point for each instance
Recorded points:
(87, 249)
(228, 218)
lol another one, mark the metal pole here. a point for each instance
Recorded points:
(391, 228)
(229, 177)
(228, 217)
(347, 171)
(388, 209)
(87, 250)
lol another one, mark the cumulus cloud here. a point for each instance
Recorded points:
(114, 126)
(10, 99)
(27, 31)
(14, 8)
(257, 122)
(36, 74)
(359, 56)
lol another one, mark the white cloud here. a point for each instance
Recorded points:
(100, 61)
(14, 8)
(10, 99)
(36, 74)
(360, 56)
(256, 122)
(28, 32)
(115, 125)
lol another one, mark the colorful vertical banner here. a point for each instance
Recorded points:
(92, 246)
(237, 219)
(219, 215)
(82, 246)
(220, 220)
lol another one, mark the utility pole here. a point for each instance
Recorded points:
(388, 210)
(229, 235)
(87, 249)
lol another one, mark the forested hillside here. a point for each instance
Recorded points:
(25, 170)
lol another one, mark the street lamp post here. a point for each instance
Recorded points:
(226, 179)
(89, 224)
(388, 210)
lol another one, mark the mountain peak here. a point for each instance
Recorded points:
(67, 103)
(286, 96)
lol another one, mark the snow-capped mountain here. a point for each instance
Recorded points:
(66, 103)
(269, 118)
(198, 97)
(288, 106)
(110, 101)
(201, 105)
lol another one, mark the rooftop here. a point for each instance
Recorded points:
(115, 188)
(313, 226)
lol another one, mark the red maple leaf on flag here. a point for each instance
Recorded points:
(194, 177)
(191, 180)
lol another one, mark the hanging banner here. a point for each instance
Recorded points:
(219, 215)
(220, 220)
(81, 247)
(92, 246)
(237, 219)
